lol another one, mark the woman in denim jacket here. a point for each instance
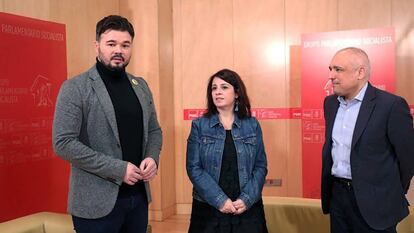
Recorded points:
(226, 161)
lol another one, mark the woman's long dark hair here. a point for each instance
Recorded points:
(240, 89)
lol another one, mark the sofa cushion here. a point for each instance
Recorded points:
(43, 222)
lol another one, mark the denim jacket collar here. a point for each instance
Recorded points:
(214, 120)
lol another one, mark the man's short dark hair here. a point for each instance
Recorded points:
(114, 22)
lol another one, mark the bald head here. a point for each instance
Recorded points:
(359, 58)
(349, 71)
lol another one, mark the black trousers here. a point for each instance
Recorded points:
(130, 215)
(345, 216)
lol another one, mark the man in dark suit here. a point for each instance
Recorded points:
(106, 126)
(368, 155)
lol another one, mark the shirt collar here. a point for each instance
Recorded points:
(358, 97)
(214, 120)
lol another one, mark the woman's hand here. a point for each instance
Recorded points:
(240, 206)
(228, 207)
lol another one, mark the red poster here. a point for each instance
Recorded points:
(259, 113)
(33, 58)
(317, 52)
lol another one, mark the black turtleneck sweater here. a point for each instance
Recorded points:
(128, 113)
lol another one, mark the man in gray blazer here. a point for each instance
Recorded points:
(368, 156)
(106, 126)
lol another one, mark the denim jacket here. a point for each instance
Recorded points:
(204, 155)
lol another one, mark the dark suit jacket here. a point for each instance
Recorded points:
(382, 157)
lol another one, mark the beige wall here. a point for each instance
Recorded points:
(180, 43)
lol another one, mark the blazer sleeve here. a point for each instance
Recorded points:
(401, 136)
(67, 123)
(154, 144)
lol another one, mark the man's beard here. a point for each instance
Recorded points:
(118, 67)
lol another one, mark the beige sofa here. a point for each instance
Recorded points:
(302, 215)
(43, 222)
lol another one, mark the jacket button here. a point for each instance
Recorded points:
(119, 146)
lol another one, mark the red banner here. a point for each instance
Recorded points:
(259, 113)
(33, 58)
(274, 113)
(317, 52)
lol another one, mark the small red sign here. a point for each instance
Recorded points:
(274, 114)
(259, 113)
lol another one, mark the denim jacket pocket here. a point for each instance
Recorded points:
(250, 140)
(249, 155)
(250, 144)
(206, 151)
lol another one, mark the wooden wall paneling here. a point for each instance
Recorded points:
(38, 9)
(362, 14)
(182, 185)
(206, 44)
(167, 106)
(259, 57)
(275, 139)
(309, 17)
(403, 21)
(294, 150)
(203, 34)
(80, 18)
(259, 52)
(80, 35)
(144, 16)
(182, 128)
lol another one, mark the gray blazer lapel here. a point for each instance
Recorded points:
(365, 111)
(139, 90)
(100, 89)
